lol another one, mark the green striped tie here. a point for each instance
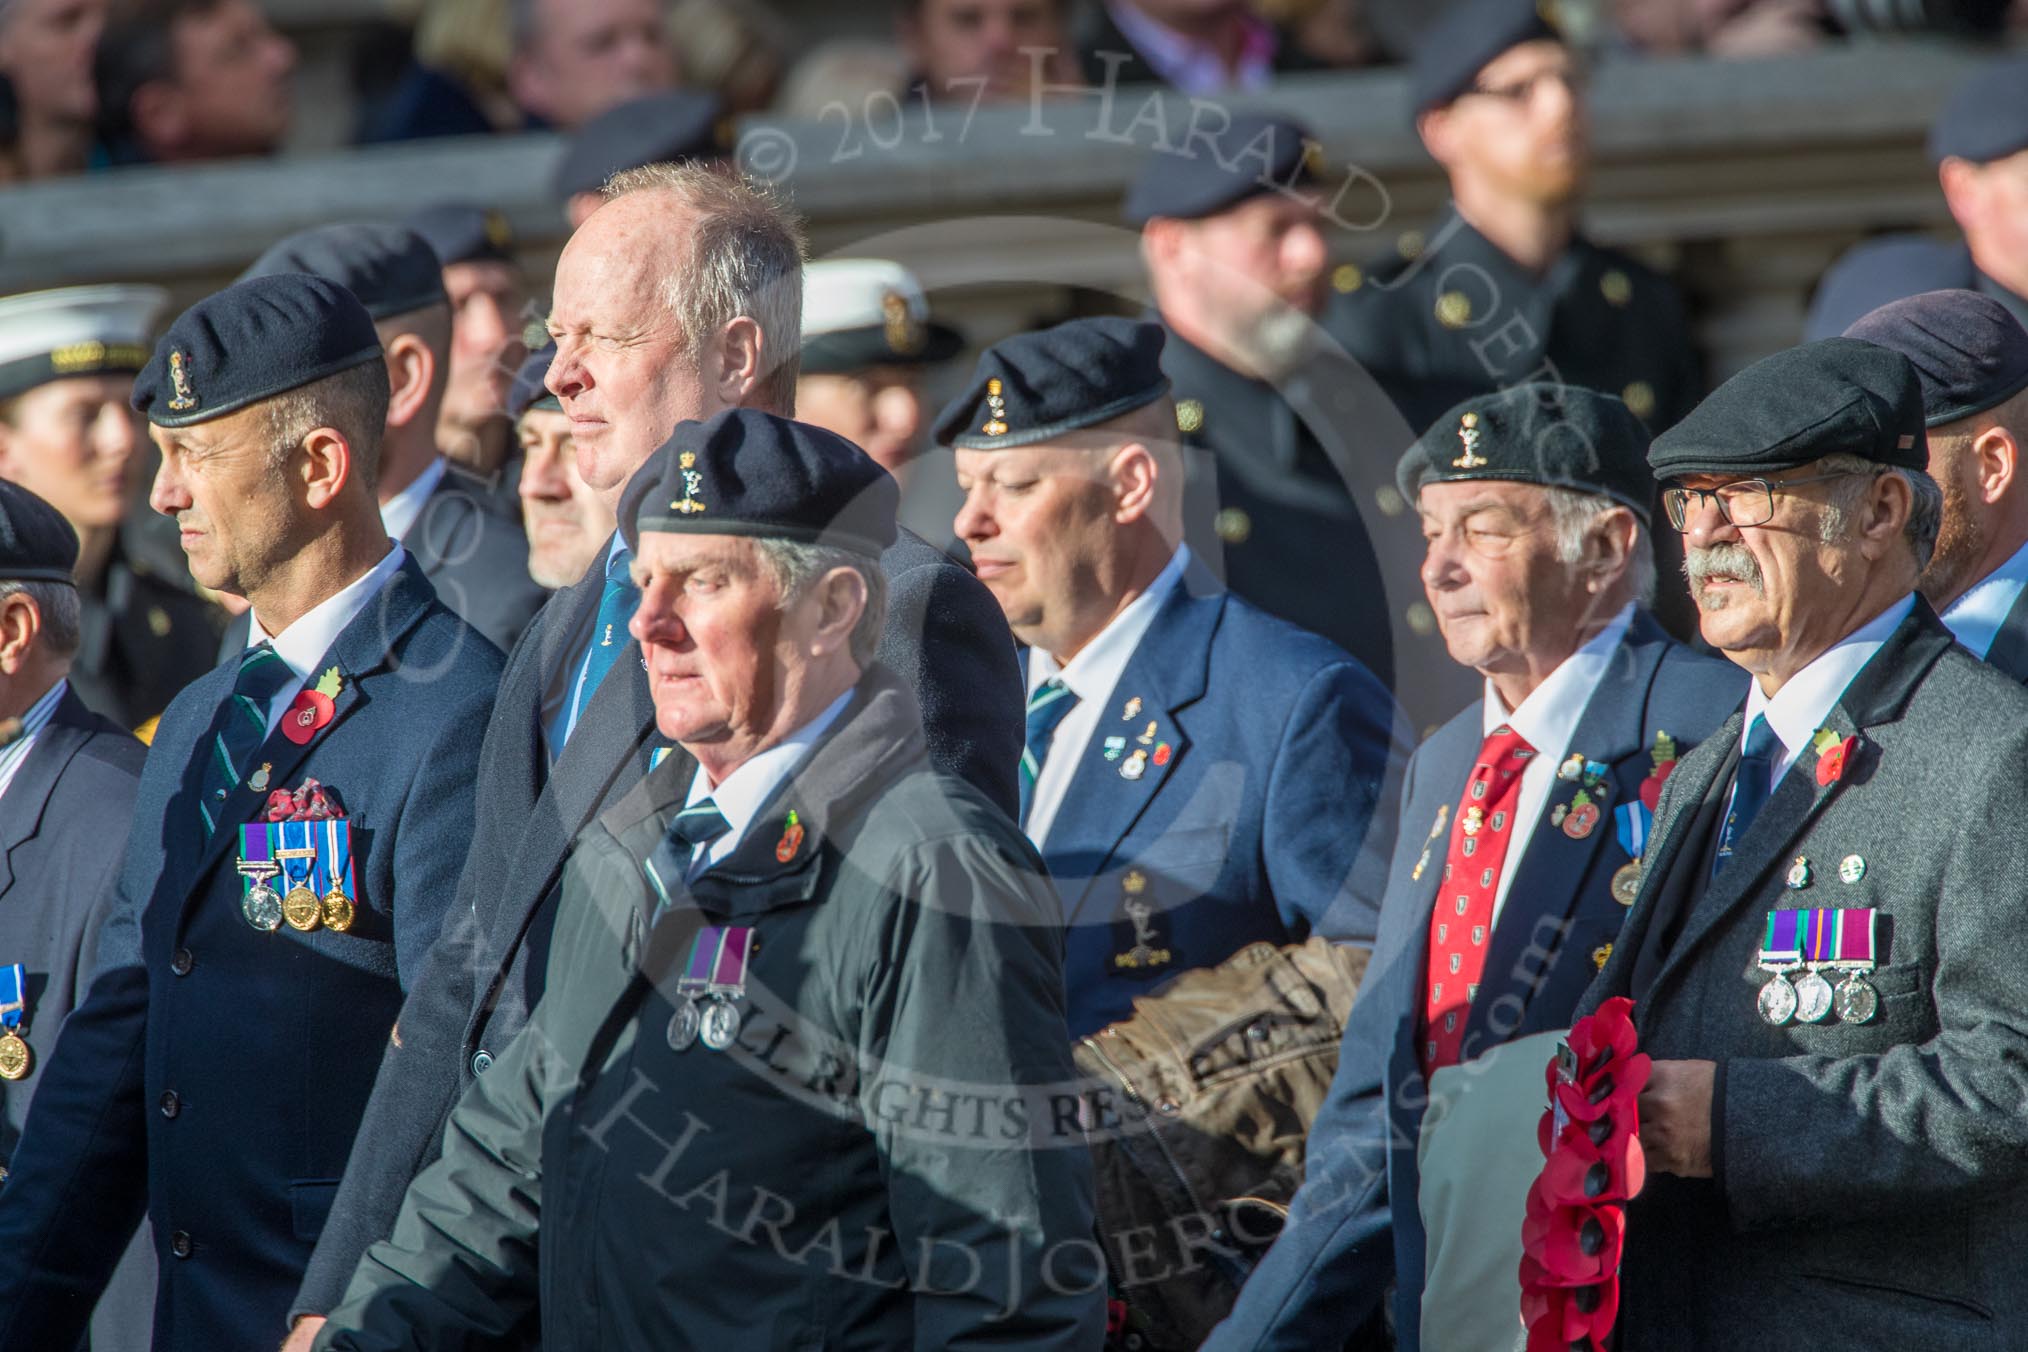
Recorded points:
(242, 726)
(1048, 706)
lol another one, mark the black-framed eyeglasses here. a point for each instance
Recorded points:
(1743, 502)
(1572, 78)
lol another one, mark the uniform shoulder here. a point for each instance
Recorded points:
(450, 649)
(1298, 653)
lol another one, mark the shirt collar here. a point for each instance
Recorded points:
(1092, 674)
(1976, 617)
(400, 512)
(303, 644)
(33, 722)
(743, 792)
(1548, 718)
(1799, 708)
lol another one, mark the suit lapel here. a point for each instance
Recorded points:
(68, 729)
(1677, 865)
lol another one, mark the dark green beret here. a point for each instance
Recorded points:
(1833, 396)
(751, 473)
(390, 268)
(1035, 387)
(36, 543)
(1558, 436)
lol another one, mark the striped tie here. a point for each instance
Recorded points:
(699, 824)
(242, 725)
(1048, 706)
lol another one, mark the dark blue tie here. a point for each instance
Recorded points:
(241, 726)
(1750, 788)
(669, 862)
(1048, 706)
(609, 636)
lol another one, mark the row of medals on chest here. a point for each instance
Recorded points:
(300, 907)
(1811, 998)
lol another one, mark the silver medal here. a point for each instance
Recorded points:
(721, 1024)
(1857, 1001)
(1778, 1001)
(262, 907)
(1813, 998)
(683, 1025)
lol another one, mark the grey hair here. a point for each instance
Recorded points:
(1573, 512)
(353, 401)
(795, 568)
(62, 613)
(1925, 506)
(747, 250)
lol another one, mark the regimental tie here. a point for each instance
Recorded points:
(617, 604)
(1462, 920)
(1048, 706)
(241, 726)
(699, 824)
(1750, 789)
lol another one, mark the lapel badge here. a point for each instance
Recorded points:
(311, 710)
(183, 399)
(1572, 768)
(996, 409)
(1443, 815)
(1799, 874)
(1600, 956)
(1132, 710)
(1147, 738)
(1145, 948)
(792, 838)
(1135, 765)
(693, 483)
(1115, 747)
(1161, 756)
(1626, 884)
(1582, 817)
(1474, 821)
(1469, 434)
(1851, 869)
(258, 780)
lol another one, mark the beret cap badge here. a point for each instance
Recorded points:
(184, 398)
(1468, 433)
(996, 406)
(693, 481)
(905, 334)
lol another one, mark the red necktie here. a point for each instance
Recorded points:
(1463, 916)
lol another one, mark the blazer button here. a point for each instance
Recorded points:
(182, 961)
(171, 1105)
(180, 1245)
(482, 1062)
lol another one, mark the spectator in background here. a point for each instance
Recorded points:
(735, 48)
(667, 128)
(10, 134)
(981, 49)
(568, 523)
(182, 80)
(46, 54)
(1198, 46)
(574, 59)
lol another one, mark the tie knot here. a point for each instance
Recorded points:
(699, 824)
(262, 673)
(1760, 739)
(1048, 706)
(1504, 748)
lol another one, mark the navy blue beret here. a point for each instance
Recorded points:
(258, 338)
(1464, 40)
(1559, 436)
(1254, 153)
(528, 390)
(1969, 353)
(1833, 396)
(751, 473)
(460, 233)
(36, 543)
(686, 124)
(1037, 386)
(1988, 118)
(390, 268)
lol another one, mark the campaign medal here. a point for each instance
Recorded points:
(259, 903)
(1852, 952)
(1813, 992)
(1781, 954)
(688, 1019)
(301, 906)
(1572, 769)
(15, 1058)
(1582, 818)
(728, 987)
(1626, 884)
(337, 907)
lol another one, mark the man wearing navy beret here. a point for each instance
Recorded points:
(1822, 953)
(1972, 359)
(297, 836)
(806, 890)
(474, 557)
(1979, 144)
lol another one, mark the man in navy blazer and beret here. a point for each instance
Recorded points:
(1197, 774)
(1521, 819)
(216, 1072)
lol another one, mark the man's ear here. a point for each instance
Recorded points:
(1884, 513)
(327, 466)
(411, 371)
(741, 361)
(20, 622)
(1134, 474)
(841, 599)
(1435, 128)
(1996, 463)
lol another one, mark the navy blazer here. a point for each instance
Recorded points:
(1355, 1225)
(945, 638)
(216, 1074)
(1274, 780)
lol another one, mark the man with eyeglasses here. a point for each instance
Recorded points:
(1822, 954)
(1504, 288)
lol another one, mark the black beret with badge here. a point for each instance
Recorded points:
(1035, 387)
(458, 232)
(1968, 350)
(1558, 436)
(390, 268)
(1254, 153)
(1464, 40)
(258, 338)
(745, 472)
(36, 543)
(1987, 119)
(865, 312)
(528, 391)
(76, 331)
(1834, 396)
(685, 124)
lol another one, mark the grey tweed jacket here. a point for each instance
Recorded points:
(1871, 1185)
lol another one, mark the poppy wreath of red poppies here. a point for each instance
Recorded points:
(1574, 1229)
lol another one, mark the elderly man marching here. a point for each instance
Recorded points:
(730, 1121)
(1823, 954)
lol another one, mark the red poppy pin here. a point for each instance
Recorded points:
(792, 839)
(312, 708)
(1833, 756)
(1663, 761)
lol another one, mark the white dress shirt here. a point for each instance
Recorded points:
(1091, 676)
(303, 644)
(1800, 707)
(32, 723)
(1548, 719)
(745, 789)
(400, 512)
(1976, 616)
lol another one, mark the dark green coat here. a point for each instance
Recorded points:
(897, 1106)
